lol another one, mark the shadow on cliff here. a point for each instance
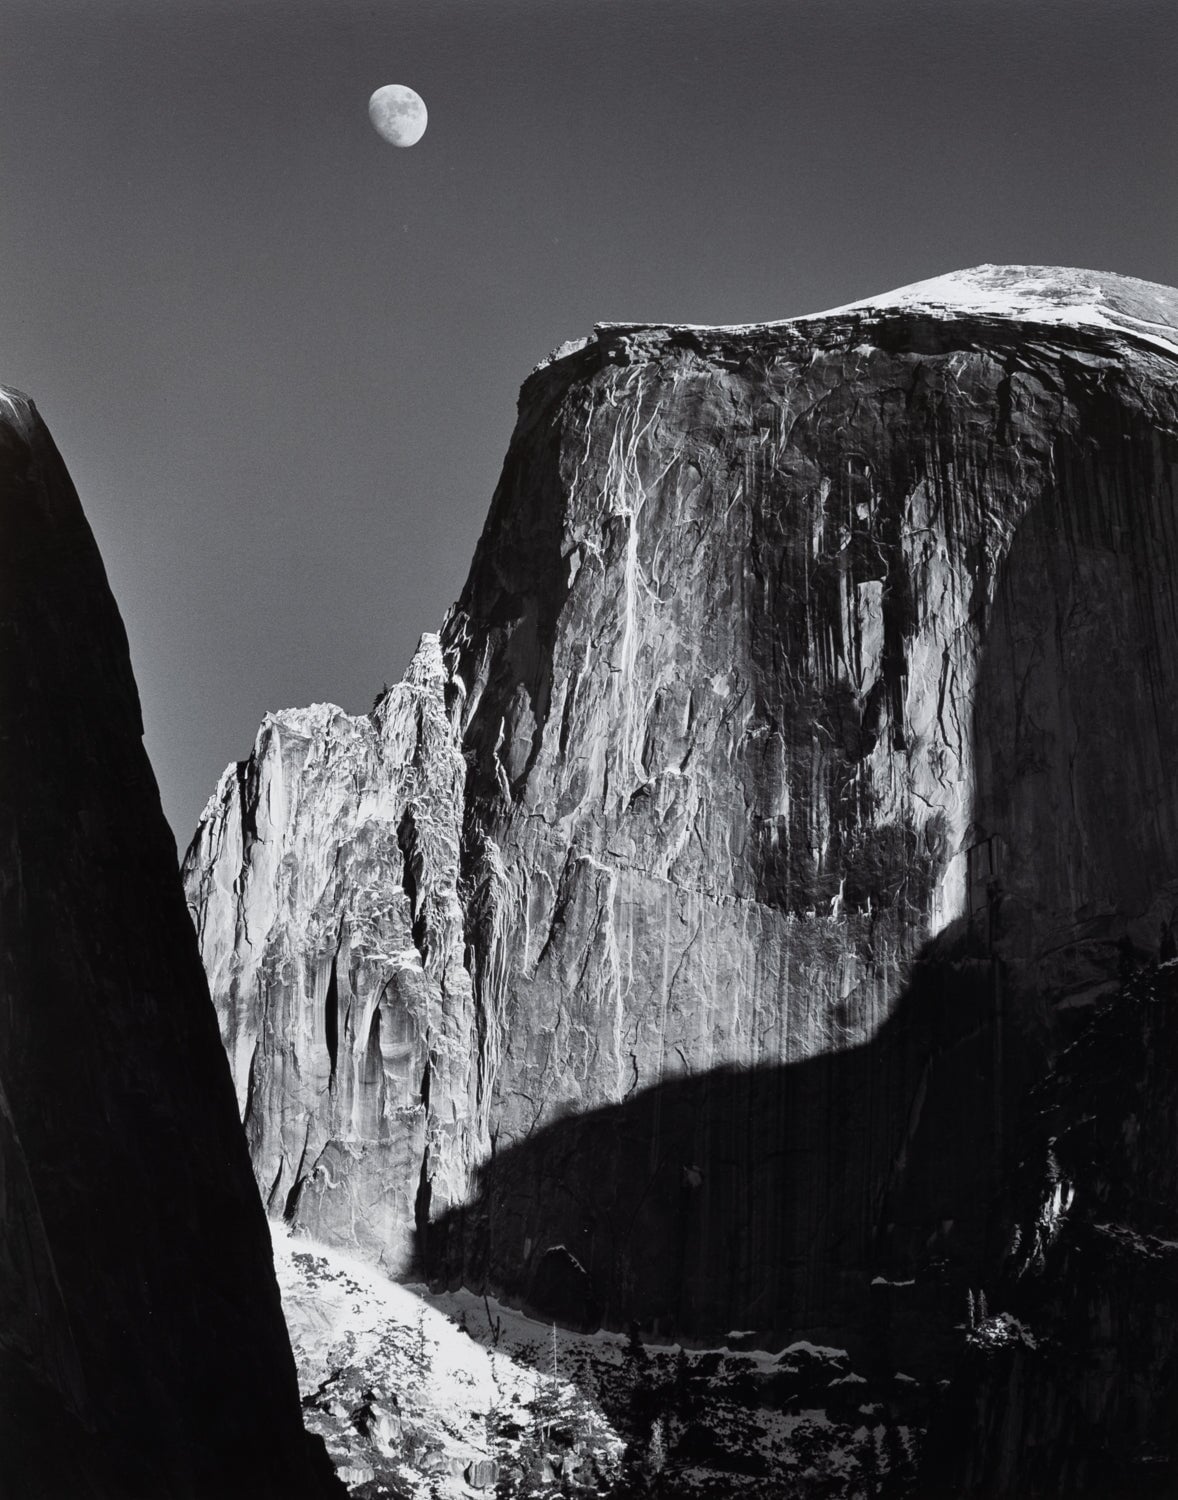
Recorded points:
(771, 1199)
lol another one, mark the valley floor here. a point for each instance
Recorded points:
(451, 1395)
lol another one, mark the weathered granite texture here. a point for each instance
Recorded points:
(142, 1347)
(677, 942)
(333, 932)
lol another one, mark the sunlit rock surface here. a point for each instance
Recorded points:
(327, 877)
(142, 1349)
(678, 941)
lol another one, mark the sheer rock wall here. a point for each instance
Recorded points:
(676, 942)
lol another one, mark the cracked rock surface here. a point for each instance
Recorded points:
(676, 942)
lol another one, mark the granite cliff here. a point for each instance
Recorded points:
(683, 941)
(142, 1346)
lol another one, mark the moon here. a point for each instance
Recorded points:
(398, 114)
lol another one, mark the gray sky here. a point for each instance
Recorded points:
(281, 357)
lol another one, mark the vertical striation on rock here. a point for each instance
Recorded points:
(798, 753)
(142, 1347)
(325, 881)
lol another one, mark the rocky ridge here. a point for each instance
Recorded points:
(678, 942)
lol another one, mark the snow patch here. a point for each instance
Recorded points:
(1149, 1245)
(811, 1417)
(1003, 1328)
(1062, 296)
(438, 1392)
(820, 1351)
(1040, 294)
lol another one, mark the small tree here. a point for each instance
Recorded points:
(636, 1350)
(657, 1450)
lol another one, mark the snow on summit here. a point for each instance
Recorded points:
(1061, 295)
(1039, 294)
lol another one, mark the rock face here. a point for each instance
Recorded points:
(142, 1348)
(678, 941)
(1072, 1388)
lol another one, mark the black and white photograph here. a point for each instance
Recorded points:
(588, 749)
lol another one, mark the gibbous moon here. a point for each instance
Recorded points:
(398, 114)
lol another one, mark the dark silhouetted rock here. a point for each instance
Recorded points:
(142, 1348)
(1069, 1386)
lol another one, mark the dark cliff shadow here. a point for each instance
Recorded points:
(771, 1199)
(1080, 1396)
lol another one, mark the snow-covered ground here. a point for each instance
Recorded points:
(411, 1405)
(452, 1395)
